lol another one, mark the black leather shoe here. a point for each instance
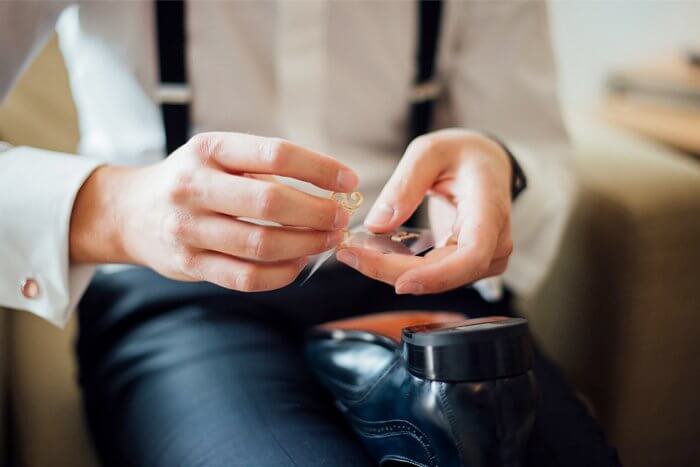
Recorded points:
(452, 392)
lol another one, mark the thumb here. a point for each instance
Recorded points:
(405, 190)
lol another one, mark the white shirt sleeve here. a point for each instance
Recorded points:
(504, 82)
(37, 188)
(37, 191)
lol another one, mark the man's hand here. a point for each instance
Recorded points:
(469, 176)
(185, 217)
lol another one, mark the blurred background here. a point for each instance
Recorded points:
(620, 311)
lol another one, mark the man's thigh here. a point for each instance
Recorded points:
(192, 374)
(181, 371)
(168, 381)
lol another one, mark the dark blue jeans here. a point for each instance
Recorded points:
(190, 374)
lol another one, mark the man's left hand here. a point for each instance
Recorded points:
(469, 178)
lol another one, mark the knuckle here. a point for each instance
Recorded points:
(205, 145)
(326, 215)
(321, 243)
(200, 142)
(423, 144)
(247, 281)
(268, 200)
(291, 277)
(508, 248)
(276, 153)
(188, 262)
(481, 267)
(229, 281)
(183, 187)
(502, 267)
(178, 228)
(256, 246)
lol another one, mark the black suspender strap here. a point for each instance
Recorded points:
(174, 94)
(426, 87)
(175, 97)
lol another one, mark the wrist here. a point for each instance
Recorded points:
(497, 150)
(487, 155)
(518, 180)
(97, 218)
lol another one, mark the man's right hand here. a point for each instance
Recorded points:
(184, 216)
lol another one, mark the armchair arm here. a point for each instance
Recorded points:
(4, 350)
(620, 310)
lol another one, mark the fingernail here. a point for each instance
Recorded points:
(342, 218)
(380, 215)
(344, 256)
(347, 180)
(409, 287)
(334, 238)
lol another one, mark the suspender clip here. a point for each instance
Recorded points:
(426, 91)
(173, 93)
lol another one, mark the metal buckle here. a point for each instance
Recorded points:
(173, 93)
(426, 91)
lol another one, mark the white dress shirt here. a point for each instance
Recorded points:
(334, 76)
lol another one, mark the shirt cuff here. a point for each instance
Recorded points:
(37, 192)
(540, 213)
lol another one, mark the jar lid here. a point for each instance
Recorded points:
(470, 350)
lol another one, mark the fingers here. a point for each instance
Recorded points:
(246, 197)
(407, 186)
(260, 243)
(241, 153)
(462, 267)
(482, 213)
(441, 270)
(384, 267)
(241, 275)
(498, 267)
(478, 239)
(442, 215)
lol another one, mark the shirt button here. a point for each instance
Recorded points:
(30, 288)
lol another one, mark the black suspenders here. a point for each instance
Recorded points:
(426, 87)
(174, 93)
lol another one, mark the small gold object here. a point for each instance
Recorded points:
(401, 236)
(348, 201)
